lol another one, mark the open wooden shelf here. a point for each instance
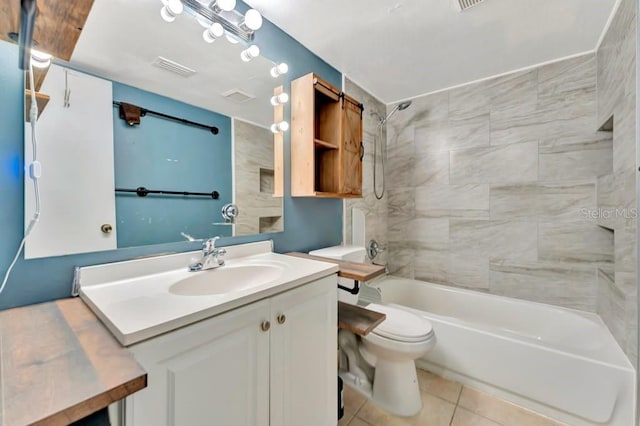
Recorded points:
(357, 319)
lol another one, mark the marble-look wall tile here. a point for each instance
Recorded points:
(429, 234)
(469, 132)
(430, 168)
(575, 243)
(576, 157)
(548, 201)
(618, 46)
(469, 271)
(452, 200)
(494, 239)
(571, 287)
(400, 262)
(611, 306)
(560, 79)
(375, 210)
(401, 203)
(561, 119)
(504, 164)
(431, 265)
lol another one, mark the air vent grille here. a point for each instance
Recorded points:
(237, 96)
(465, 4)
(174, 67)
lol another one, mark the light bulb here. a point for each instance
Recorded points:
(282, 126)
(253, 19)
(213, 32)
(171, 9)
(226, 5)
(231, 39)
(40, 59)
(280, 99)
(250, 52)
(279, 69)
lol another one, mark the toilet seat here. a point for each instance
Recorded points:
(401, 325)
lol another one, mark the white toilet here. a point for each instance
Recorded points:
(381, 365)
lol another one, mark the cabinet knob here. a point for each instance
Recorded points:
(281, 319)
(265, 326)
(106, 228)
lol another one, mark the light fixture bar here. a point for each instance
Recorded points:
(230, 21)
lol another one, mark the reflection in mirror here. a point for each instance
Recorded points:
(88, 151)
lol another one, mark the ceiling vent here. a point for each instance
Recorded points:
(174, 67)
(461, 5)
(237, 96)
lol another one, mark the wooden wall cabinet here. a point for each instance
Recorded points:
(326, 140)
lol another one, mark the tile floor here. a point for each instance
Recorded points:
(444, 403)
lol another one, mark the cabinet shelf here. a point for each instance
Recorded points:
(320, 144)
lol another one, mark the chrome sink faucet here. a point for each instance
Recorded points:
(211, 256)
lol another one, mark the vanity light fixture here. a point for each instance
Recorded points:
(250, 52)
(280, 99)
(212, 33)
(223, 5)
(40, 59)
(237, 26)
(252, 20)
(171, 9)
(279, 69)
(282, 126)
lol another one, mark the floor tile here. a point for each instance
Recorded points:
(500, 411)
(353, 401)
(435, 412)
(358, 422)
(464, 417)
(439, 386)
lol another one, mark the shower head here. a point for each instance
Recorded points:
(400, 107)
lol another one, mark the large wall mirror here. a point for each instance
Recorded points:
(97, 154)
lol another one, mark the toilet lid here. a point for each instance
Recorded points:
(401, 325)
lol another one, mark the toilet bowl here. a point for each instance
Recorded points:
(381, 365)
(387, 357)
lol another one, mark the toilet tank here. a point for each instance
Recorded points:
(348, 254)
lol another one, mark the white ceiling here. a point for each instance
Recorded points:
(404, 48)
(122, 38)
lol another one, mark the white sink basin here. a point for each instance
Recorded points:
(226, 279)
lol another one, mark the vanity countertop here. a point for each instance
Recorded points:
(134, 299)
(59, 364)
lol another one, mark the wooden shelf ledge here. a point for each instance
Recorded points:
(319, 143)
(351, 270)
(357, 319)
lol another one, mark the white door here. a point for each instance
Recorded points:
(215, 372)
(75, 148)
(303, 355)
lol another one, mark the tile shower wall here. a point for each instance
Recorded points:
(259, 210)
(375, 211)
(617, 287)
(488, 185)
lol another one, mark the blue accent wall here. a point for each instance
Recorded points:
(166, 155)
(309, 223)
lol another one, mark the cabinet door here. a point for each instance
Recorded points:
(303, 355)
(352, 149)
(215, 372)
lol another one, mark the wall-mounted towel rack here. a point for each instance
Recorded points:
(141, 191)
(144, 111)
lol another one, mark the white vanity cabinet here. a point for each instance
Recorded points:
(272, 362)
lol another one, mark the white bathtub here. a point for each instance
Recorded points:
(559, 362)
